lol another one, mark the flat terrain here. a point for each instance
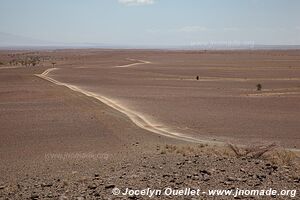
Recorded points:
(39, 119)
(57, 143)
(222, 105)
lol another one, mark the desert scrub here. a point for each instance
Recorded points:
(272, 153)
(259, 87)
(283, 157)
(186, 150)
(253, 151)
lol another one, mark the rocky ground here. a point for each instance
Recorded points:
(59, 144)
(168, 166)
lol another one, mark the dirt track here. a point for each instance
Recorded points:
(223, 105)
(57, 143)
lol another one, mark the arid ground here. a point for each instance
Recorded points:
(222, 105)
(82, 122)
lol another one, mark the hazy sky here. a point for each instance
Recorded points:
(153, 22)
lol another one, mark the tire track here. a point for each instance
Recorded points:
(136, 118)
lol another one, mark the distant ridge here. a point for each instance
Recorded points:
(15, 42)
(11, 40)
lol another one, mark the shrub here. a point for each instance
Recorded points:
(251, 151)
(259, 87)
(283, 157)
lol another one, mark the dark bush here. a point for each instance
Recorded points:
(259, 87)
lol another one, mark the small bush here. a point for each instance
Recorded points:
(183, 150)
(251, 151)
(259, 87)
(283, 157)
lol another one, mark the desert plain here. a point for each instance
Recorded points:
(81, 122)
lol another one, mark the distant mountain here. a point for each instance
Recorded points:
(11, 40)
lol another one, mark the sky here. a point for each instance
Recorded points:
(153, 22)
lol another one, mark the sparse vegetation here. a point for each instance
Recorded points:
(26, 61)
(1, 63)
(183, 150)
(283, 157)
(271, 152)
(251, 151)
(191, 150)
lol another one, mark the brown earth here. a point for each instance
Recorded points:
(60, 144)
(222, 105)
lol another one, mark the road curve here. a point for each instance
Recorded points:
(136, 118)
(138, 62)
